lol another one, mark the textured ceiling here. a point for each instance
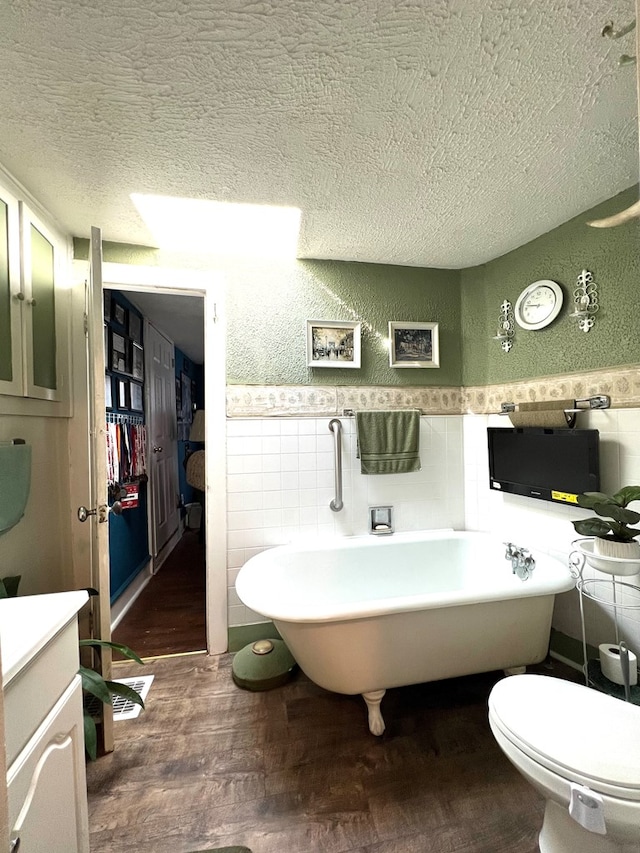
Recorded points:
(418, 132)
(181, 318)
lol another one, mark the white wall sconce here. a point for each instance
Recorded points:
(609, 31)
(585, 301)
(505, 326)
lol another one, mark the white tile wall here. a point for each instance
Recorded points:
(280, 482)
(544, 526)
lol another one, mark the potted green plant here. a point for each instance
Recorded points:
(613, 536)
(93, 684)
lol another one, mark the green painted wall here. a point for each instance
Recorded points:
(118, 253)
(611, 254)
(266, 336)
(268, 304)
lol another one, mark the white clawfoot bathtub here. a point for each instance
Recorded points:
(363, 614)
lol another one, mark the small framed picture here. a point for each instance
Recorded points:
(185, 398)
(118, 343)
(123, 394)
(117, 353)
(413, 344)
(135, 328)
(136, 396)
(137, 362)
(118, 313)
(117, 363)
(333, 343)
(108, 400)
(179, 398)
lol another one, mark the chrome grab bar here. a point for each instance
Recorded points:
(335, 426)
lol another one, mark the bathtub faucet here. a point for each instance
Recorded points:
(522, 563)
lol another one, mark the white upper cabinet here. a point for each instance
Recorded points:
(10, 293)
(41, 328)
(33, 341)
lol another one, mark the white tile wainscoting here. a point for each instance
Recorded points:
(281, 480)
(545, 526)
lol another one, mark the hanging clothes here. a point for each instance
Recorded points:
(126, 452)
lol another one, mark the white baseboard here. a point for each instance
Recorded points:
(123, 603)
(167, 548)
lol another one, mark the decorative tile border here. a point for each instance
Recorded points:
(432, 401)
(246, 401)
(622, 384)
(259, 401)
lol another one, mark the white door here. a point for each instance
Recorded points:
(211, 287)
(96, 510)
(160, 379)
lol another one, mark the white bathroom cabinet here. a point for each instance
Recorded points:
(46, 781)
(33, 335)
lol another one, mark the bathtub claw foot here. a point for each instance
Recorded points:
(373, 700)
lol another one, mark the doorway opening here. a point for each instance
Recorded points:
(159, 605)
(168, 607)
(168, 617)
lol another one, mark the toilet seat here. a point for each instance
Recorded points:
(580, 734)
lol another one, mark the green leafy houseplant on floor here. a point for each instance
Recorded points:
(92, 682)
(612, 521)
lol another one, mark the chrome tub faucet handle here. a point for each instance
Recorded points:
(512, 550)
(522, 563)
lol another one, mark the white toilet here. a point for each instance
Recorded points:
(581, 750)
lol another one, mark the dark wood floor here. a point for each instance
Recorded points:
(168, 617)
(295, 770)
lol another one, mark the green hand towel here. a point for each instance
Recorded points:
(388, 441)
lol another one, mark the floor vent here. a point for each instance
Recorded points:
(124, 709)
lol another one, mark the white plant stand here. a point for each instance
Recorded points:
(596, 589)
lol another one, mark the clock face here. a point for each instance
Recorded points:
(538, 304)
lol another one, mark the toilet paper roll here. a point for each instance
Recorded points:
(611, 664)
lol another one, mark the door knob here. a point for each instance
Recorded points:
(84, 513)
(102, 511)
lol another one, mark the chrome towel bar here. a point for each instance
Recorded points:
(600, 401)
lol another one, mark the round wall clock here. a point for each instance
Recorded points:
(538, 305)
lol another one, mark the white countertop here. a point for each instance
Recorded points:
(28, 622)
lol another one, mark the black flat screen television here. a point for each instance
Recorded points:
(549, 464)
